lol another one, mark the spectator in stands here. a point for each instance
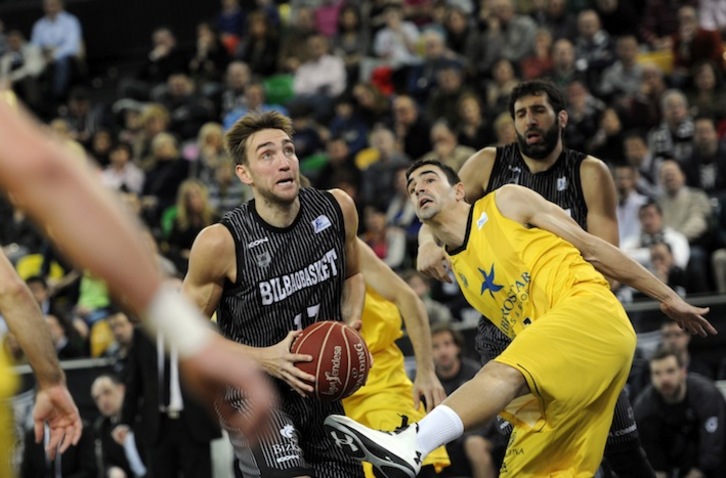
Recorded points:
(660, 21)
(707, 96)
(116, 460)
(607, 142)
(21, 66)
(226, 192)
(188, 109)
(621, 81)
(320, 78)
(351, 42)
(84, 116)
(370, 104)
(564, 70)
(377, 185)
(411, 127)
(386, 240)
(154, 121)
(712, 16)
(504, 80)
(508, 35)
(68, 343)
(673, 137)
(663, 267)
(59, 35)
(348, 124)
(559, 19)
(691, 45)
(424, 77)
(122, 330)
(594, 48)
(618, 17)
(121, 173)
(687, 210)
(193, 212)
(308, 140)
(652, 230)
(680, 419)
(400, 212)
(162, 181)
(474, 126)
(208, 61)
(230, 23)
(504, 129)
(675, 339)
(438, 313)
(638, 155)
(208, 151)
(232, 96)
(164, 58)
(293, 48)
(475, 453)
(539, 62)
(340, 161)
(444, 98)
(706, 168)
(584, 111)
(396, 42)
(460, 33)
(644, 110)
(260, 47)
(446, 147)
(629, 201)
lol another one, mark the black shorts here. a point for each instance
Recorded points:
(297, 443)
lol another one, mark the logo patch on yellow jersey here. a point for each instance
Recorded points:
(488, 282)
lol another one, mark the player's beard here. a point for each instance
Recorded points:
(543, 149)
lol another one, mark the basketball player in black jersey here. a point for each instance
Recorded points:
(581, 185)
(269, 268)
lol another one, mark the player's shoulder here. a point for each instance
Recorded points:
(484, 156)
(215, 239)
(593, 166)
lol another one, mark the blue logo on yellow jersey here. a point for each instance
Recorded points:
(488, 282)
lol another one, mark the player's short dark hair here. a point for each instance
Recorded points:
(451, 175)
(651, 203)
(536, 88)
(254, 121)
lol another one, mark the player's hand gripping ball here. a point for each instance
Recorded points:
(341, 359)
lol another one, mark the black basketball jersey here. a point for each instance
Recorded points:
(560, 184)
(287, 278)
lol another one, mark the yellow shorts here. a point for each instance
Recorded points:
(384, 407)
(8, 385)
(575, 359)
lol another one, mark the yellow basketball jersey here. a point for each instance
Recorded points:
(513, 274)
(388, 393)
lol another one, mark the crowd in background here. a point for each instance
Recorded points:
(372, 86)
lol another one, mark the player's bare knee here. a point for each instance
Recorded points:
(478, 449)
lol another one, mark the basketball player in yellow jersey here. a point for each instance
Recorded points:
(53, 402)
(525, 264)
(389, 395)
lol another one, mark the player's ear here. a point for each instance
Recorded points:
(562, 118)
(459, 191)
(243, 173)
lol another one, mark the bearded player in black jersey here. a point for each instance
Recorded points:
(578, 183)
(269, 268)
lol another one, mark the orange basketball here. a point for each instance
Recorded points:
(341, 360)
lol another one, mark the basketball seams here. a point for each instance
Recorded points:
(349, 360)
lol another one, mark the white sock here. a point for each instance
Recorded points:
(437, 428)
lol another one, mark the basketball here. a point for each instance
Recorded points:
(340, 359)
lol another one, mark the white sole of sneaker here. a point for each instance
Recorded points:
(356, 445)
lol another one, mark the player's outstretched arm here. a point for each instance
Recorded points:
(529, 208)
(53, 402)
(389, 285)
(92, 229)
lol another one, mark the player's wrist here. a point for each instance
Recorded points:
(180, 323)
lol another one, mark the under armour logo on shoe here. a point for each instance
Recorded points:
(343, 441)
(417, 458)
